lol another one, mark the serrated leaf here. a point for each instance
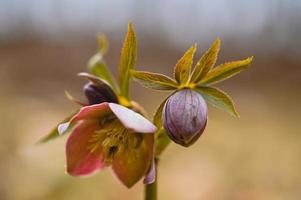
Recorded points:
(226, 70)
(154, 80)
(218, 99)
(55, 133)
(127, 61)
(206, 62)
(183, 67)
(98, 67)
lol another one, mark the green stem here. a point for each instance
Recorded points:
(150, 190)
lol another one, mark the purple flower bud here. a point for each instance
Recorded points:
(185, 116)
(96, 95)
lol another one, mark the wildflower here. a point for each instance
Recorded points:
(109, 130)
(108, 134)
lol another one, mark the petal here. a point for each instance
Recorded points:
(132, 164)
(99, 94)
(95, 111)
(151, 174)
(80, 159)
(132, 120)
(63, 127)
(95, 80)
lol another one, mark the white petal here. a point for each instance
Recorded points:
(63, 127)
(132, 120)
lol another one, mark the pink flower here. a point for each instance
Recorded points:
(108, 134)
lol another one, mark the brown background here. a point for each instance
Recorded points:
(43, 44)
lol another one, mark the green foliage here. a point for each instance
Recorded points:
(103, 44)
(97, 65)
(127, 61)
(206, 62)
(226, 70)
(218, 99)
(162, 140)
(54, 132)
(73, 99)
(154, 80)
(182, 68)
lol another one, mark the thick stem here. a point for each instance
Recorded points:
(150, 190)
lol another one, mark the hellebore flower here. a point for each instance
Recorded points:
(185, 116)
(110, 134)
(110, 129)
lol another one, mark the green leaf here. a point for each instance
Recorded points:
(206, 62)
(157, 119)
(73, 99)
(154, 80)
(127, 61)
(182, 68)
(218, 99)
(94, 79)
(103, 44)
(54, 133)
(162, 139)
(98, 67)
(226, 70)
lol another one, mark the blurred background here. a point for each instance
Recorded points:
(44, 44)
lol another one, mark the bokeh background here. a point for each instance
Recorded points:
(44, 44)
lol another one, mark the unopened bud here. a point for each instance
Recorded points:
(96, 95)
(185, 116)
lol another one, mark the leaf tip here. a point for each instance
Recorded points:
(102, 43)
(250, 59)
(194, 47)
(131, 28)
(236, 114)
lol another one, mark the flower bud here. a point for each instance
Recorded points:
(96, 95)
(185, 116)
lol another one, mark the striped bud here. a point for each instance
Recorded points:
(185, 116)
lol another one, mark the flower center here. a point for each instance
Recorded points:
(113, 139)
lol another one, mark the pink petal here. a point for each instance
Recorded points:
(80, 159)
(132, 120)
(92, 112)
(132, 164)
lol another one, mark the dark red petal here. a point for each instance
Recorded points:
(80, 159)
